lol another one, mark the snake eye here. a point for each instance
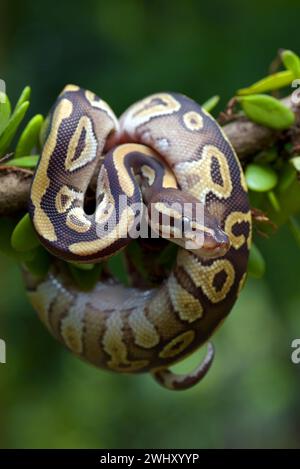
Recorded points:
(185, 224)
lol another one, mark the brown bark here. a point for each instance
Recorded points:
(14, 189)
(248, 138)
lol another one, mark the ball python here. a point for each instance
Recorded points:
(165, 152)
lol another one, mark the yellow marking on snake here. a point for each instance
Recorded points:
(186, 305)
(237, 218)
(145, 334)
(148, 173)
(119, 157)
(106, 207)
(85, 248)
(70, 88)
(65, 197)
(169, 180)
(114, 346)
(193, 121)
(242, 283)
(71, 328)
(169, 212)
(203, 275)
(41, 181)
(89, 151)
(199, 174)
(160, 104)
(242, 176)
(41, 299)
(102, 106)
(200, 227)
(77, 221)
(178, 345)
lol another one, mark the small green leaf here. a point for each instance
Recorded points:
(24, 96)
(294, 228)
(85, 279)
(266, 156)
(287, 176)
(5, 111)
(7, 226)
(44, 131)
(12, 127)
(24, 237)
(29, 138)
(117, 266)
(83, 266)
(168, 255)
(274, 201)
(256, 264)
(295, 161)
(24, 162)
(40, 263)
(136, 257)
(268, 111)
(291, 61)
(269, 83)
(211, 103)
(260, 178)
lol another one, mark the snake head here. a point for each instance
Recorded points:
(182, 219)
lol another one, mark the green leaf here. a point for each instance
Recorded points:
(256, 264)
(29, 138)
(24, 162)
(6, 229)
(12, 127)
(168, 255)
(294, 228)
(291, 61)
(117, 266)
(136, 256)
(24, 96)
(266, 156)
(271, 82)
(268, 111)
(24, 237)
(83, 266)
(295, 161)
(44, 131)
(85, 279)
(274, 201)
(287, 176)
(40, 263)
(5, 111)
(211, 103)
(260, 178)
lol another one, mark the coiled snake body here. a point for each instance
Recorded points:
(180, 154)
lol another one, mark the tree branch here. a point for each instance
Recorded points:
(249, 138)
(246, 137)
(14, 189)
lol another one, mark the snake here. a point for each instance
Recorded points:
(163, 154)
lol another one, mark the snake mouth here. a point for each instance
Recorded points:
(210, 245)
(217, 244)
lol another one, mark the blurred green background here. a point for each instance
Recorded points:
(124, 50)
